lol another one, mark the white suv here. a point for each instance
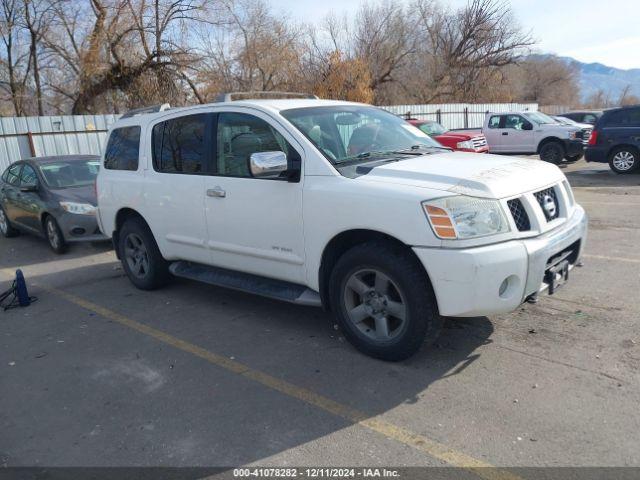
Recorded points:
(336, 204)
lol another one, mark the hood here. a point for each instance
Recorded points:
(486, 176)
(85, 194)
(461, 135)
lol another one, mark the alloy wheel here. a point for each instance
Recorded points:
(136, 255)
(4, 226)
(375, 305)
(624, 160)
(52, 234)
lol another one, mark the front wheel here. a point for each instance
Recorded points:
(140, 256)
(624, 160)
(383, 301)
(552, 152)
(5, 226)
(54, 235)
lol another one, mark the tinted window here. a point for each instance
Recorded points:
(12, 175)
(122, 149)
(589, 118)
(240, 135)
(179, 145)
(624, 118)
(494, 122)
(28, 177)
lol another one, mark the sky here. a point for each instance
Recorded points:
(604, 31)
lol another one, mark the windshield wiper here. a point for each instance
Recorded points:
(419, 149)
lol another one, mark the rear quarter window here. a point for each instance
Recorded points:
(623, 118)
(123, 149)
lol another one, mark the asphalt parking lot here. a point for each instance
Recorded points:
(97, 373)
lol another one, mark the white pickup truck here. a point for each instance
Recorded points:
(337, 204)
(530, 133)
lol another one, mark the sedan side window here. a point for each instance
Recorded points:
(12, 176)
(240, 135)
(28, 177)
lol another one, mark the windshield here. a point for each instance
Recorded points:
(346, 134)
(432, 128)
(540, 117)
(77, 173)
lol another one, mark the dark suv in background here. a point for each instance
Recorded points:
(583, 116)
(616, 139)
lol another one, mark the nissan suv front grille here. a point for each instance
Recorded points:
(548, 201)
(519, 214)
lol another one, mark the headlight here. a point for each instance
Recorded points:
(79, 208)
(573, 135)
(464, 217)
(466, 144)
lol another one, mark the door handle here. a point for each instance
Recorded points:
(216, 192)
(505, 133)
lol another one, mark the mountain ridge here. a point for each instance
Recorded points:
(597, 76)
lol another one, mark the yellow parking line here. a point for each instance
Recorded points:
(614, 259)
(376, 424)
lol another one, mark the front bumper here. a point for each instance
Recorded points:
(467, 282)
(573, 147)
(79, 228)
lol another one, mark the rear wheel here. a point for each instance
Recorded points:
(5, 226)
(383, 301)
(54, 235)
(624, 160)
(552, 152)
(140, 256)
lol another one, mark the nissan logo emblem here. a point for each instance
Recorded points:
(549, 206)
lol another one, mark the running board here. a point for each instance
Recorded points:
(246, 282)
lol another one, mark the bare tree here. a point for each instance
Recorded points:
(15, 61)
(547, 80)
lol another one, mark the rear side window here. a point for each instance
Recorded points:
(624, 118)
(123, 149)
(494, 122)
(179, 145)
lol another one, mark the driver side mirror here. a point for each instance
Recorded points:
(527, 126)
(268, 164)
(29, 188)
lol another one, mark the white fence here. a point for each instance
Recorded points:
(23, 137)
(457, 115)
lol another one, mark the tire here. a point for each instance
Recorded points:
(370, 283)
(140, 256)
(552, 152)
(573, 158)
(54, 235)
(6, 228)
(624, 160)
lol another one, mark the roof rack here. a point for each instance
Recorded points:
(229, 97)
(143, 110)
